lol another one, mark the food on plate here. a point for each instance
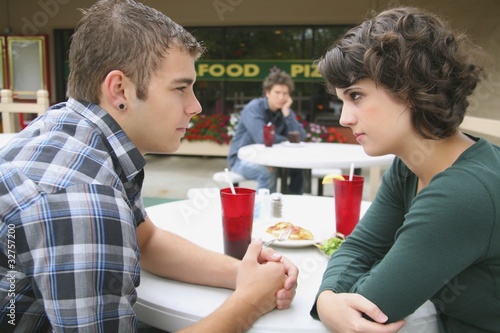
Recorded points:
(298, 233)
(328, 179)
(330, 245)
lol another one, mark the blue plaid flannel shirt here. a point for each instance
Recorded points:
(70, 201)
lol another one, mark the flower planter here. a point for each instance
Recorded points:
(202, 148)
(204, 131)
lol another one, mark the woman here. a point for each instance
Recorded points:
(433, 230)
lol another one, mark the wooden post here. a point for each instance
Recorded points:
(9, 108)
(7, 119)
(42, 99)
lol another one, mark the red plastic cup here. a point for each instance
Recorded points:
(348, 195)
(237, 220)
(269, 131)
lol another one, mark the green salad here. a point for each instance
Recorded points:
(330, 245)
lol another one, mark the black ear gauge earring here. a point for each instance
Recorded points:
(121, 106)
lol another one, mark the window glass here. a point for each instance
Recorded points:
(27, 63)
(311, 101)
(268, 43)
(324, 37)
(212, 39)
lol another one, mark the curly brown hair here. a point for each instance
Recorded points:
(417, 58)
(122, 35)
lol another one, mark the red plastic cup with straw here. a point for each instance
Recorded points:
(237, 206)
(269, 131)
(348, 195)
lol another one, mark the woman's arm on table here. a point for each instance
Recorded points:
(431, 247)
(348, 310)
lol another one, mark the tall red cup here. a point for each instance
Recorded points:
(237, 220)
(269, 131)
(348, 195)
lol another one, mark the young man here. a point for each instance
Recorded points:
(70, 189)
(274, 107)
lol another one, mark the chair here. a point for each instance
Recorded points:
(9, 108)
(220, 178)
(481, 125)
(319, 174)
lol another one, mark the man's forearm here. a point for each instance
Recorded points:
(171, 256)
(235, 315)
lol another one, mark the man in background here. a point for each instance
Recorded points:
(273, 108)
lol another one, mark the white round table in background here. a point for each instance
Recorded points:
(310, 155)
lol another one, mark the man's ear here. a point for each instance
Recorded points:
(114, 89)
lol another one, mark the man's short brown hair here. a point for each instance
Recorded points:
(122, 35)
(277, 76)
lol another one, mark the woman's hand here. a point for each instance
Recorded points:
(343, 313)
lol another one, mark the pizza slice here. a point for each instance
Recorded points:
(298, 233)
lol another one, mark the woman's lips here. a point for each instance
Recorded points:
(359, 136)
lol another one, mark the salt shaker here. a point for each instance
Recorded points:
(262, 204)
(276, 205)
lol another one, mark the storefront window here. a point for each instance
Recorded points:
(213, 39)
(246, 48)
(268, 43)
(247, 45)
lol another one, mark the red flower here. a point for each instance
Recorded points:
(319, 133)
(209, 128)
(221, 128)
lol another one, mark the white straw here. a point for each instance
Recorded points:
(229, 180)
(351, 172)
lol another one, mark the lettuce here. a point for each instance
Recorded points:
(330, 245)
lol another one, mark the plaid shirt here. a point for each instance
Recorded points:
(70, 201)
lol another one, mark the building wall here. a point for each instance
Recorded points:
(479, 19)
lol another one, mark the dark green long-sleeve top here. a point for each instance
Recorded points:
(441, 244)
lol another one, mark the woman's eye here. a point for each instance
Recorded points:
(181, 89)
(355, 96)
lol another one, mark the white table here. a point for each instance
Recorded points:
(311, 155)
(171, 305)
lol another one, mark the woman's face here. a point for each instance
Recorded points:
(379, 123)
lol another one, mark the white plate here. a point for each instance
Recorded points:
(292, 144)
(293, 243)
(288, 243)
(320, 223)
